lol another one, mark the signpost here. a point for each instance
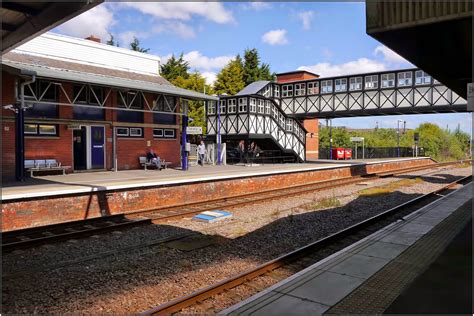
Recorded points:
(358, 140)
(194, 130)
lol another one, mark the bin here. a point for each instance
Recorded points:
(348, 153)
(337, 153)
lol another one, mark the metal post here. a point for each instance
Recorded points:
(20, 143)
(398, 138)
(218, 130)
(363, 150)
(330, 139)
(114, 132)
(184, 122)
(356, 150)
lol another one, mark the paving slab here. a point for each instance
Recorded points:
(359, 266)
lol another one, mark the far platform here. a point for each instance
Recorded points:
(368, 276)
(93, 181)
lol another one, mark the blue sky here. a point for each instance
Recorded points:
(327, 38)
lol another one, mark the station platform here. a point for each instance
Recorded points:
(61, 198)
(398, 269)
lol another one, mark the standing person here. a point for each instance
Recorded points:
(241, 149)
(252, 151)
(153, 158)
(201, 152)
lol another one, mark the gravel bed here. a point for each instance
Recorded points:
(133, 281)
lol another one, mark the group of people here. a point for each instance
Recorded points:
(152, 158)
(249, 153)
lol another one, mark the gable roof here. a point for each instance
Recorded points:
(254, 87)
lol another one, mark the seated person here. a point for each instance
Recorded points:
(153, 158)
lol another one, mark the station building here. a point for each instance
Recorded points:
(89, 105)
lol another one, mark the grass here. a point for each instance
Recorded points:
(389, 188)
(327, 202)
(463, 165)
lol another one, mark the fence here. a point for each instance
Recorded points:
(376, 152)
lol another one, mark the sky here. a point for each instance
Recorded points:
(327, 38)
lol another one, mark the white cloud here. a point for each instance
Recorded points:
(213, 11)
(204, 63)
(389, 55)
(256, 5)
(126, 38)
(181, 29)
(360, 65)
(306, 18)
(275, 37)
(210, 77)
(97, 21)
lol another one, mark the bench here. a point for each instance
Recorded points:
(39, 165)
(145, 163)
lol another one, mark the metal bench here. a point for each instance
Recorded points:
(39, 165)
(145, 163)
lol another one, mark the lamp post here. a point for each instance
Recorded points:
(398, 135)
(218, 130)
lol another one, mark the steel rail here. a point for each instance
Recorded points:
(178, 304)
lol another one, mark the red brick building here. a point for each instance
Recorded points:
(88, 105)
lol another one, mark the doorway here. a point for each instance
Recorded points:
(89, 148)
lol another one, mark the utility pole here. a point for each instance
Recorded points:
(330, 139)
(398, 138)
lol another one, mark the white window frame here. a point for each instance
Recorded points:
(168, 130)
(253, 105)
(287, 91)
(326, 86)
(134, 134)
(274, 112)
(388, 80)
(422, 78)
(276, 91)
(119, 134)
(289, 125)
(223, 107)
(211, 107)
(300, 89)
(405, 79)
(313, 88)
(231, 106)
(355, 83)
(31, 133)
(242, 105)
(260, 106)
(268, 106)
(340, 85)
(371, 82)
(155, 132)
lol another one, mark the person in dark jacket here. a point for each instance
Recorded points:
(153, 158)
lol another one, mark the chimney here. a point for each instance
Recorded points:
(93, 38)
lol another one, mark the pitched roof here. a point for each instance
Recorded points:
(253, 88)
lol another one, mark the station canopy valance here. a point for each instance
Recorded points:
(104, 80)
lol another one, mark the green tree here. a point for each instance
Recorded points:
(340, 137)
(135, 45)
(196, 82)
(112, 41)
(230, 78)
(251, 66)
(174, 68)
(265, 73)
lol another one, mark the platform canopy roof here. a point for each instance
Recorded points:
(101, 79)
(23, 20)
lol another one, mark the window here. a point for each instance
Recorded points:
(132, 100)
(261, 105)
(41, 130)
(231, 106)
(211, 108)
(282, 120)
(243, 105)
(372, 82)
(326, 86)
(289, 125)
(287, 91)
(313, 87)
(267, 91)
(268, 105)
(404, 79)
(162, 118)
(276, 91)
(300, 89)
(388, 80)
(355, 83)
(274, 112)
(341, 85)
(222, 106)
(158, 132)
(169, 133)
(133, 132)
(43, 91)
(253, 105)
(90, 96)
(422, 77)
(164, 133)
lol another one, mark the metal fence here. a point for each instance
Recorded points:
(376, 152)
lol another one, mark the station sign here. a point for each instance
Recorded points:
(356, 139)
(194, 130)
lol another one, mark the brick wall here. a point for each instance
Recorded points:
(312, 138)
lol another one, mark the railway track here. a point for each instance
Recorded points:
(31, 237)
(205, 300)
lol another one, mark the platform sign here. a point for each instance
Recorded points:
(194, 130)
(357, 139)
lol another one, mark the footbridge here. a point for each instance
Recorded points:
(274, 110)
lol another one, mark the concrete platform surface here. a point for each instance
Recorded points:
(83, 182)
(329, 285)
